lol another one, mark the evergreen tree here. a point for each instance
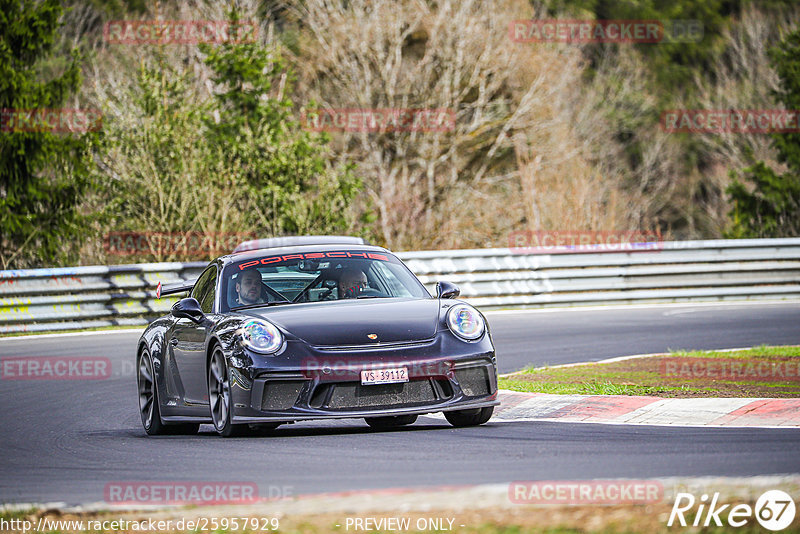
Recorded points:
(285, 168)
(772, 209)
(43, 173)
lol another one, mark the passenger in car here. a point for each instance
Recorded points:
(351, 282)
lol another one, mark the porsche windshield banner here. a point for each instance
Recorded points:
(339, 254)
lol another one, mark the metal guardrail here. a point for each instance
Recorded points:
(86, 297)
(72, 298)
(676, 271)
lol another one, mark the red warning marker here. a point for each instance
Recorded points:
(158, 291)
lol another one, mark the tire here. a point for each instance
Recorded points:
(390, 421)
(220, 399)
(149, 408)
(474, 417)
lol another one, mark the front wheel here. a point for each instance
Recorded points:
(474, 417)
(220, 398)
(391, 421)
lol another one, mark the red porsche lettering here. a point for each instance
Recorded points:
(313, 256)
(247, 264)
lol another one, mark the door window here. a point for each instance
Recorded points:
(205, 289)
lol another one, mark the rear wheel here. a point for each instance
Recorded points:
(476, 416)
(391, 421)
(149, 408)
(220, 398)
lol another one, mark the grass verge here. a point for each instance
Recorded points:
(757, 372)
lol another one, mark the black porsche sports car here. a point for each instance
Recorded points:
(333, 329)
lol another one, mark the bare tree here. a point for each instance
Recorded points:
(530, 147)
(741, 79)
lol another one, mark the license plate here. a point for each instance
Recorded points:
(384, 376)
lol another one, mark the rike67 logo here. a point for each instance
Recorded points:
(774, 510)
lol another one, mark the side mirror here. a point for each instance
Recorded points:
(447, 290)
(188, 308)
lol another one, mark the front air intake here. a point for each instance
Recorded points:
(280, 394)
(474, 381)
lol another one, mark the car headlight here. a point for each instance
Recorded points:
(465, 321)
(261, 336)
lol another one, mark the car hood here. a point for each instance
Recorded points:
(348, 322)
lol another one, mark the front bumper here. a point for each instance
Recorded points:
(315, 383)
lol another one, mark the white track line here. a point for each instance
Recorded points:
(623, 358)
(641, 306)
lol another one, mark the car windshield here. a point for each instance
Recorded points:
(318, 277)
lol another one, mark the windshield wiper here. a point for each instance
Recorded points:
(261, 305)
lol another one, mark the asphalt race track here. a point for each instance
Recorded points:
(63, 441)
(579, 336)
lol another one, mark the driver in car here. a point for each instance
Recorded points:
(351, 282)
(249, 288)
